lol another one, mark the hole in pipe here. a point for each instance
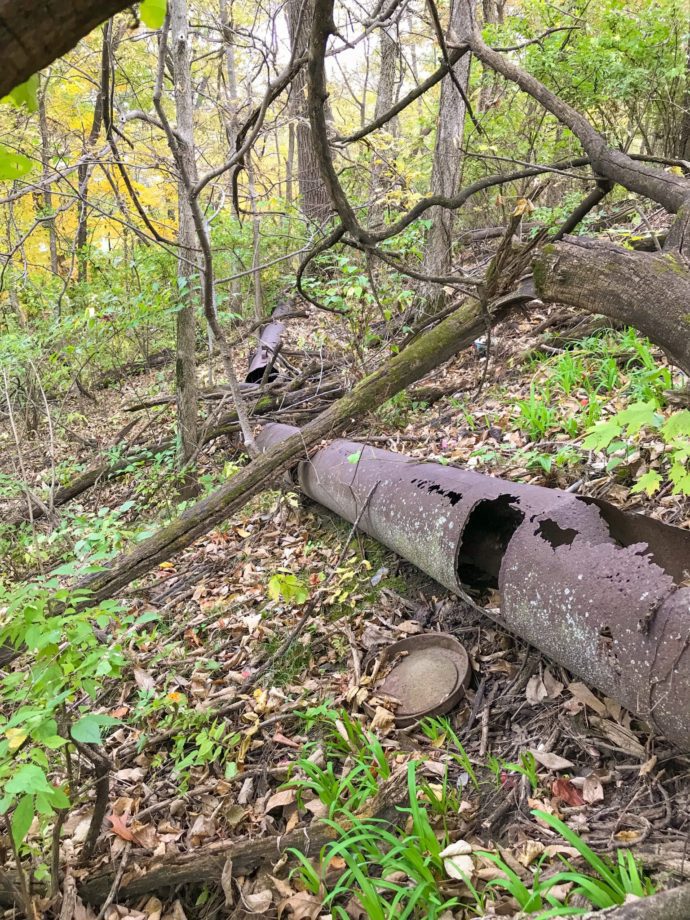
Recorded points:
(485, 538)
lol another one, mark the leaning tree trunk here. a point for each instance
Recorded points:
(430, 350)
(185, 375)
(650, 291)
(447, 164)
(315, 200)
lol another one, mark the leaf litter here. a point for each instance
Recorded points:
(202, 756)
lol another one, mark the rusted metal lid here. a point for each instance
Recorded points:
(428, 676)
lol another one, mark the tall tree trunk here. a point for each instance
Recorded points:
(256, 239)
(45, 166)
(84, 170)
(186, 383)
(385, 97)
(683, 145)
(316, 203)
(231, 123)
(446, 169)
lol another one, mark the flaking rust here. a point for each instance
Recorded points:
(597, 589)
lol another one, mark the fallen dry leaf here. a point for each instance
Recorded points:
(620, 736)
(628, 836)
(144, 680)
(535, 690)
(226, 882)
(383, 721)
(457, 860)
(532, 850)
(280, 738)
(584, 695)
(592, 790)
(553, 686)
(551, 761)
(300, 906)
(119, 827)
(564, 790)
(281, 799)
(259, 901)
(649, 765)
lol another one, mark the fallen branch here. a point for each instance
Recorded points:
(673, 904)
(132, 368)
(206, 864)
(227, 424)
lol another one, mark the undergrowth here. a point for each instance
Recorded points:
(413, 865)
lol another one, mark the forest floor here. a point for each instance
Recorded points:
(199, 766)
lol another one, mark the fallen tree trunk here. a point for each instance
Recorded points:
(106, 472)
(597, 589)
(206, 864)
(673, 904)
(432, 348)
(604, 278)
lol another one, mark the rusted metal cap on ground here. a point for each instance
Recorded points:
(428, 676)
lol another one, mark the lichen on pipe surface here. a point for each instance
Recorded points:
(597, 589)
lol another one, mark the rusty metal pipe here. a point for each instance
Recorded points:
(597, 589)
(270, 340)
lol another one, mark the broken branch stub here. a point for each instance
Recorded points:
(597, 589)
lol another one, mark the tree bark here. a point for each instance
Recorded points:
(673, 904)
(682, 150)
(85, 167)
(47, 190)
(650, 291)
(447, 163)
(33, 33)
(185, 368)
(315, 200)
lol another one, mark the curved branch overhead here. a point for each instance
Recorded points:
(33, 33)
(670, 191)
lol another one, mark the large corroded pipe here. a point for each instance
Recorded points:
(597, 589)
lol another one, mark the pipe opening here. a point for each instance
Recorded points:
(485, 538)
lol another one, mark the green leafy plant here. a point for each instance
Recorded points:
(536, 898)
(376, 855)
(536, 415)
(68, 663)
(631, 425)
(288, 588)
